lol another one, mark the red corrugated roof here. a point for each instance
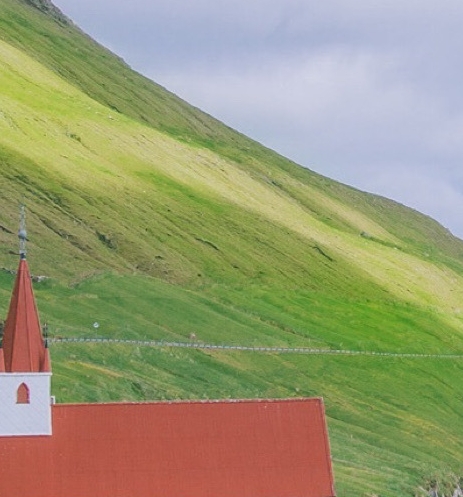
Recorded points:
(23, 345)
(201, 449)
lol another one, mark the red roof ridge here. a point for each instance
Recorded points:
(195, 401)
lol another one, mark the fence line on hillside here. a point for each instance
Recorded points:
(278, 350)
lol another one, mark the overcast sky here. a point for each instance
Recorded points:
(366, 92)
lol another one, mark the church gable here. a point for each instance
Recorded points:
(24, 363)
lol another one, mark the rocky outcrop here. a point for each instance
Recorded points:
(47, 7)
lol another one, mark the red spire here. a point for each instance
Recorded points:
(2, 361)
(46, 364)
(23, 345)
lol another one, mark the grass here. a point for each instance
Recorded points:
(156, 221)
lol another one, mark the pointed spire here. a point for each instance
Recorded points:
(23, 345)
(2, 361)
(2, 356)
(46, 364)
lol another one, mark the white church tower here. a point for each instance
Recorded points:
(25, 372)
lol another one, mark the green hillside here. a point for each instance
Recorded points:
(157, 222)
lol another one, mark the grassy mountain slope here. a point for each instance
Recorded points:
(156, 221)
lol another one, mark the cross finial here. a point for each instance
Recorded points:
(22, 234)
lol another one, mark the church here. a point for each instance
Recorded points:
(223, 448)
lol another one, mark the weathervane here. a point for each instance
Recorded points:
(22, 234)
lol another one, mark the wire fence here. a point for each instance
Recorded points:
(269, 350)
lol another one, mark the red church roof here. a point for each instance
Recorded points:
(23, 345)
(276, 448)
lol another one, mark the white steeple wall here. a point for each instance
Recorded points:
(25, 404)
